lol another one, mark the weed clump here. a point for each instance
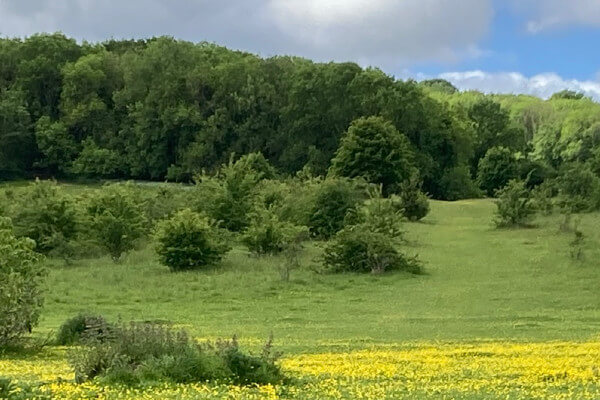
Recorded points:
(146, 353)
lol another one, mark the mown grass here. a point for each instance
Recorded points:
(480, 283)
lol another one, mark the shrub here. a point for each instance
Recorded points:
(579, 189)
(542, 196)
(292, 199)
(533, 172)
(333, 199)
(47, 216)
(381, 215)
(495, 169)
(267, 234)
(357, 249)
(21, 277)
(188, 241)
(117, 219)
(414, 203)
(7, 388)
(82, 327)
(149, 353)
(94, 161)
(514, 205)
(246, 369)
(257, 163)
(456, 184)
(374, 150)
(229, 196)
(10, 390)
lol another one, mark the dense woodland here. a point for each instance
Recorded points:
(167, 109)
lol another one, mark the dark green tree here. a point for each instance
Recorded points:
(16, 140)
(374, 150)
(495, 169)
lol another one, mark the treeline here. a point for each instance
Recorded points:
(167, 109)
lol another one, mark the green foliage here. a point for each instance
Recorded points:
(457, 184)
(374, 150)
(579, 189)
(165, 108)
(47, 215)
(542, 198)
(333, 199)
(258, 164)
(440, 85)
(493, 129)
(16, 152)
(21, 279)
(369, 241)
(228, 197)
(357, 249)
(267, 234)
(142, 353)
(496, 169)
(7, 388)
(413, 202)
(514, 205)
(94, 161)
(10, 390)
(116, 218)
(381, 215)
(189, 240)
(82, 327)
(292, 199)
(568, 95)
(59, 149)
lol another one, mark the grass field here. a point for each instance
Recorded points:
(499, 313)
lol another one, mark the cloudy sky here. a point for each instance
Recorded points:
(509, 46)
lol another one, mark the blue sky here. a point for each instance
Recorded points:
(508, 46)
(570, 51)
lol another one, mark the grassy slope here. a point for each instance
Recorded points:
(482, 283)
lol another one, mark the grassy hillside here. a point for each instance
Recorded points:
(498, 314)
(480, 282)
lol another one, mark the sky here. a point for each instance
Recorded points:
(503, 46)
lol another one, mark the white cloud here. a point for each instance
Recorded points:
(385, 31)
(542, 85)
(389, 33)
(550, 14)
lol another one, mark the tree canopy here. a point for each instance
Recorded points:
(165, 108)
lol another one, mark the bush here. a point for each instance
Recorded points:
(150, 353)
(495, 169)
(246, 369)
(333, 199)
(47, 216)
(292, 200)
(533, 172)
(258, 164)
(188, 241)
(117, 219)
(381, 215)
(82, 327)
(414, 203)
(542, 198)
(21, 278)
(267, 234)
(374, 150)
(10, 390)
(94, 161)
(456, 184)
(579, 189)
(357, 249)
(228, 197)
(514, 205)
